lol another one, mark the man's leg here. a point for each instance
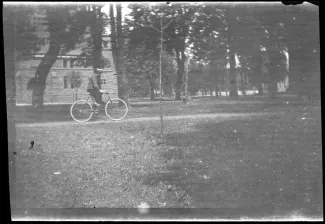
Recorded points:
(98, 97)
(94, 96)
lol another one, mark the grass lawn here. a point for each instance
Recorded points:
(207, 163)
(200, 105)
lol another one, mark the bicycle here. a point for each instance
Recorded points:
(85, 109)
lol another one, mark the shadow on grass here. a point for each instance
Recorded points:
(247, 163)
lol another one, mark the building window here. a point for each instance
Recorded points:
(105, 43)
(65, 82)
(102, 81)
(72, 62)
(72, 85)
(65, 63)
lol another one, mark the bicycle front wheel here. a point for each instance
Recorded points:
(116, 109)
(81, 111)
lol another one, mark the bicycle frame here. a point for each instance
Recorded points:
(93, 100)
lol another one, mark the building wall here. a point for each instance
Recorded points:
(55, 91)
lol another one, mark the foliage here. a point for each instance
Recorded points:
(142, 54)
(195, 74)
(75, 79)
(95, 21)
(18, 18)
(177, 20)
(65, 30)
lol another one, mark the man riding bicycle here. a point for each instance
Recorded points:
(94, 88)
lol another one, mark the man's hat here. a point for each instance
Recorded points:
(97, 70)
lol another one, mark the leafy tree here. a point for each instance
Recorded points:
(261, 27)
(195, 73)
(143, 51)
(186, 89)
(301, 24)
(65, 29)
(76, 81)
(209, 43)
(95, 21)
(143, 64)
(179, 18)
(178, 34)
(169, 70)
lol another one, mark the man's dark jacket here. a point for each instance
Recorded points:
(93, 83)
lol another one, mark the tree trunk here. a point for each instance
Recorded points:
(152, 90)
(113, 36)
(171, 90)
(180, 72)
(230, 36)
(186, 77)
(258, 70)
(272, 80)
(217, 90)
(97, 36)
(216, 79)
(259, 81)
(294, 71)
(272, 87)
(260, 88)
(233, 81)
(187, 96)
(243, 83)
(43, 70)
(56, 29)
(122, 79)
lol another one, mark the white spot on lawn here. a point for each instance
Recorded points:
(206, 177)
(143, 208)
(235, 131)
(57, 173)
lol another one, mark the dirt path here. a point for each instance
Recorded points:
(106, 120)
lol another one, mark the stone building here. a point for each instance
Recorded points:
(59, 89)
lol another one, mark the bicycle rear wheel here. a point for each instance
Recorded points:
(81, 111)
(116, 109)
